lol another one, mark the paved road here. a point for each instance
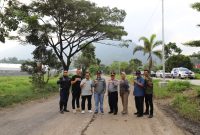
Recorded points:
(192, 81)
(42, 118)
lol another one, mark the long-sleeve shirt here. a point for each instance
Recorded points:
(124, 85)
(112, 85)
(65, 83)
(99, 86)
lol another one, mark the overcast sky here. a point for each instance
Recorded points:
(143, 19)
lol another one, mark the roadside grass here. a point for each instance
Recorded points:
(17, 89)
(197, 76)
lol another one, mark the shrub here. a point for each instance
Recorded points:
(178, 86)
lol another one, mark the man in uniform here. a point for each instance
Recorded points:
(113, 94)
(65, 84)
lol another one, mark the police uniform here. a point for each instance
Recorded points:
(65, 84)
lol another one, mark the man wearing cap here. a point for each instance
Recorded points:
(139, 92)
(113, 94)
(65, 84)
(99, 90)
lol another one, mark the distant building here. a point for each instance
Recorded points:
(197, 66)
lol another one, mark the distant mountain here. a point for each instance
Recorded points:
(108, 54)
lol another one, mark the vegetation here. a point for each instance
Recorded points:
(178, 61)
(19, 89)
(12, 60)
(148, 48)
(171, 49)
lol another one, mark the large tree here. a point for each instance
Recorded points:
(171, 49)
(148, 48)
(195, 43)
(68, 26)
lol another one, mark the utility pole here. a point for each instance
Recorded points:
(163, 83)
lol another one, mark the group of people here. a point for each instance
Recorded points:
(86, 88)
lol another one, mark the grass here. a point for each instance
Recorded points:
(18, 89)
(197, 76)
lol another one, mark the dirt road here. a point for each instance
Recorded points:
(42, 118)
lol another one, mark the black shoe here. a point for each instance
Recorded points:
(150, 116)
(110, 112)
(62, 112)
(115, 113)
(139, 115)
(146, 113)
(136, 113)
(95, 112)
(66, 110)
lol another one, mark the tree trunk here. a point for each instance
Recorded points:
(150, 64)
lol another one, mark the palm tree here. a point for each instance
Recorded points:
(148, 48)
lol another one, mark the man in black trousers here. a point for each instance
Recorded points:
(65, 84)
(148, 94)
(139, 90)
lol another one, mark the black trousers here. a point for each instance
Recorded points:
(64, 96)
(89, 100)
(75, 99)
(149, 103)
(139, 103)
(113, 101)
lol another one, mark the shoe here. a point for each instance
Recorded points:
(136, 113)
(139, 115)
(150, 116)
(74, 111)
(66, 110)
(62, 112)
(90, 111)
(82, 112)
(124, 113)
(102, 113)
(146, 113)
(115, 113)
(95, 112)
(110, 112)
(78, 110)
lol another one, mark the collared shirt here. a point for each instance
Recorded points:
(112, 85)
(148, 88)
(100, 86)
(138, 90)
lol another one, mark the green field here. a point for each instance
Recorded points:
(17, 89)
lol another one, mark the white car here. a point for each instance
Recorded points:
(160, 74)
(182, 72)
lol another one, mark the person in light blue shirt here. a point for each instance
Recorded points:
(139, 92)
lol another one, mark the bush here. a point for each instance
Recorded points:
(178, 86)
(198, 92)
(186, 107)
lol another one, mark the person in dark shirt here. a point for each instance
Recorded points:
(76, 90)
(65, 84)
(148, 94)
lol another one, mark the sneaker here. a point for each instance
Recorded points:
(74, 111)
(78, 110)
(95, 112)
(62, 112)
(82, 112)
(102, 113)
(90, 111)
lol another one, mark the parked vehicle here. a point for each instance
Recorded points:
(182, 73)
(160, 74)
(153, 74)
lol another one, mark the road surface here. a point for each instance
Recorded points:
(42, 118)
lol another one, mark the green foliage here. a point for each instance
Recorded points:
(12, 60)
(178, 61)
(171, 49)
(19, 89)
(148, 48)
(186, 107)
(161, 93)
(93, 69)
(75, 23)
(178, 86)
(198, 92)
